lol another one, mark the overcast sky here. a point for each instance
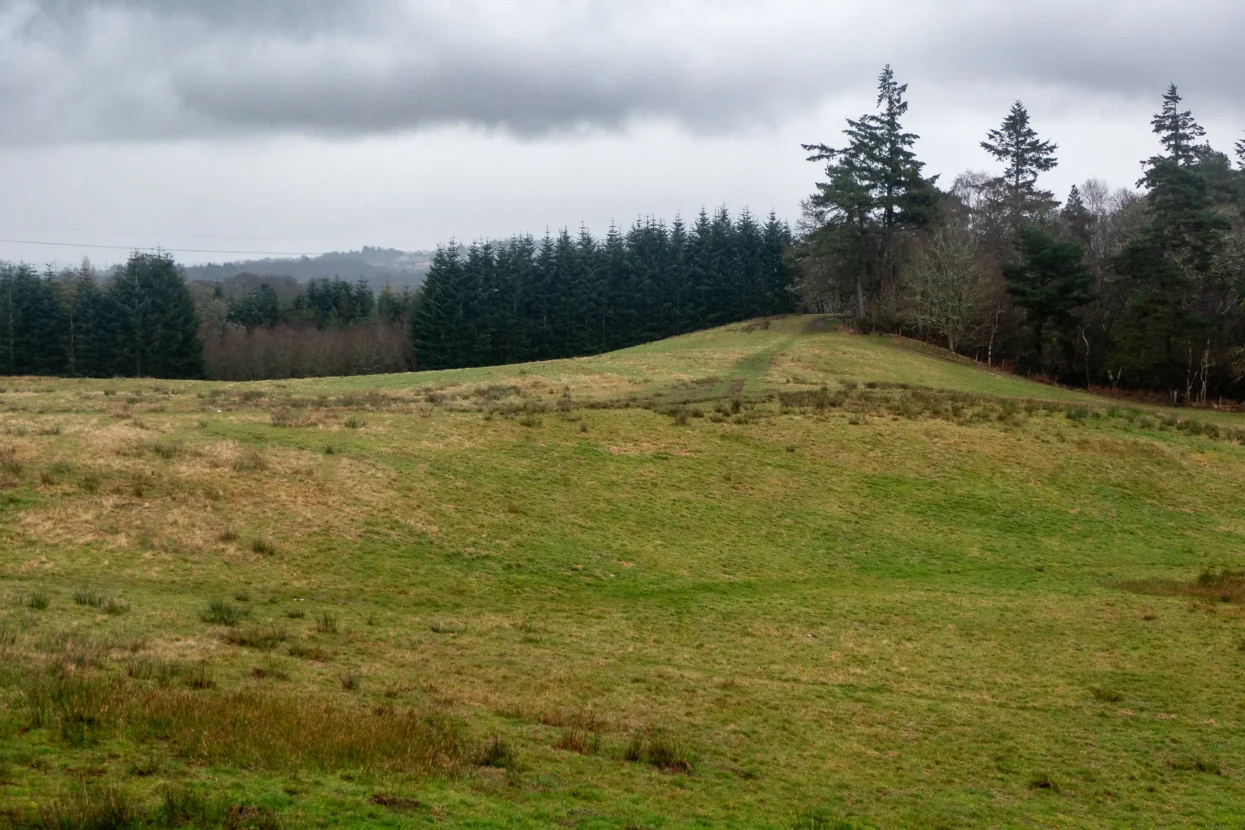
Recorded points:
(313, 125)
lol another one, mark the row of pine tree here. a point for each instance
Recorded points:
(141, 323)
(567, 295)
(483, 304)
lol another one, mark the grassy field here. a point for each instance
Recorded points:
(769, 575)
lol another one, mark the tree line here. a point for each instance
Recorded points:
(481, 304)
(522, 300)
(142, 322)
(1128, 289)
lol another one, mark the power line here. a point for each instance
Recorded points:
(24, 229)
(152, 248)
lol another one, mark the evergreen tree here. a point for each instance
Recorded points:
(80, 300)
(154, 330)
(619, 312)
(678, 283)
(256, 308)
(775, 276)
(394, 306)
(1077, 217)
(1025, 157)
(437, 311)
(1168, 263)
(874, 189)
(31, 326)
(1178, 131)
(1048, 280)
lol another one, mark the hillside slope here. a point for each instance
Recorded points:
(769, 575)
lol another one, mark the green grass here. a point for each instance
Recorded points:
(770, 575)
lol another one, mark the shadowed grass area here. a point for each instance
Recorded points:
(1216, 586)
(770, 575)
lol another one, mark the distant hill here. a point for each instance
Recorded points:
(379, 266)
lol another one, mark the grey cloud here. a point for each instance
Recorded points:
(153, 69)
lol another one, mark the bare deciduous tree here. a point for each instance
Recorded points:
(947, 287)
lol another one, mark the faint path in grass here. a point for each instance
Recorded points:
(748, 374)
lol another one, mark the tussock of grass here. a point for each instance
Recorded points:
(157, 669)
(256, 637)
(9, 462)
(498, 753)
(326, 623)
(200, 677)
(220, 612)
(95, 599)
(578, 741)
(304, 651)
(250, 460)
(447, 626)
(94, 807)
(659, 748)
(287, 417)
(1196, 763)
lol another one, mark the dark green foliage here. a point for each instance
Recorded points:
(149, 321)
(31, 324)
(1048, 281)
(1025, 156)
(258, 308)
(1169, 327)
(874, 193)
(520, 300)
(1076, 217)
(335, 302)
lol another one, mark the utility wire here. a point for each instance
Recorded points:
(159, 247)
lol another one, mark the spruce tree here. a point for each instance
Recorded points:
(1169, 262)
(1177, 129)
(775, 276)
(1025, 157)
(1077, 217)
(80, 299)
(619, 310)
(1048, 280)
(874, 189)
(436, 310)
(154, 327)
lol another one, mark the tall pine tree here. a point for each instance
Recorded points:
(1025, 157)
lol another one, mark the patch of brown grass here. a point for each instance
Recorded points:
(579, 741)
(1211, 585)
(253, 730)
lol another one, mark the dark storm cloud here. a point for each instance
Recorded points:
(150, 69)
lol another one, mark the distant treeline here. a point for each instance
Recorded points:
(482, 304)
(142, 322)
(567, 295)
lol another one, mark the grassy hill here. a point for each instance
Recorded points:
(769, 575)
